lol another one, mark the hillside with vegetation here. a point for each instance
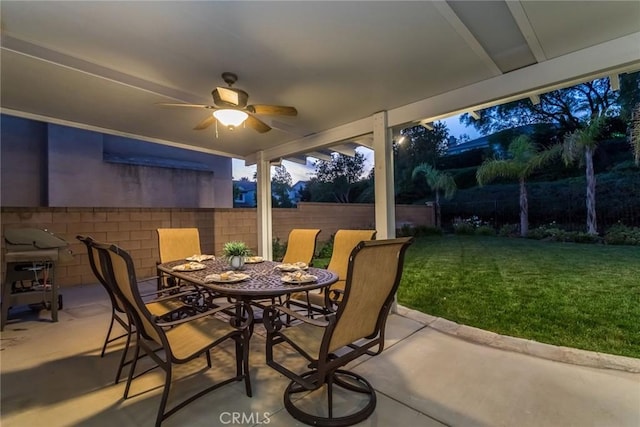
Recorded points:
(569, 160)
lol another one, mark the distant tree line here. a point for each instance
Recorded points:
(578, 132)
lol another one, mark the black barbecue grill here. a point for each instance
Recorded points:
(30, 262)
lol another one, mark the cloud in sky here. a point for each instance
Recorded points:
(298, 172)
(305, 172)
(456, 128)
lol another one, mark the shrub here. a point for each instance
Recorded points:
(327, 248)
(509, 230)
(423, 230)
(485, 230)
(467, 225)
(406, 230)
(548, 231)
(278, 249)
(419, 231)
(553, 233)
(463, 228)
(582, 237)
(620, 234)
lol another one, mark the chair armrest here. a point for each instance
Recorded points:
(221, 308)
(332, 298)
(305, 319)
(148, 279)
(272, 321)
(170, 297)
(148, 294)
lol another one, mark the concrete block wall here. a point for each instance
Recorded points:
(134, 229)
(415, 215)
(329, 217)
(241, 224)
(235, 224)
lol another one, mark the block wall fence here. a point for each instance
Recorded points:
(134, 229)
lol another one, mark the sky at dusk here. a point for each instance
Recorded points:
(305, 172)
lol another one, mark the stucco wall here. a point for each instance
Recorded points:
(53, 165)
(23, 154)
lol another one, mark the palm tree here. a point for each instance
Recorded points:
(579, 143)
(438, 181)
(635, 133)
(524, 159)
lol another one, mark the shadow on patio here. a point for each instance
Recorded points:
(52, 375)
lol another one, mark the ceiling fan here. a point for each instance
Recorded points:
(231, 110)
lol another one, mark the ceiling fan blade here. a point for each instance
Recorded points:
(272, 110)
(168, 104)
(208, 121)
(229, 96)
(257, 124)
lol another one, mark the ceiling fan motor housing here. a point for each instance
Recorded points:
(230, 108)
(243, 98)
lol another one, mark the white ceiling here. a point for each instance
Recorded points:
(105, 65)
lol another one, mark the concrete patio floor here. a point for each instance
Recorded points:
(53, 375)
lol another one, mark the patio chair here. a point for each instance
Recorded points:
(161, 306)
(181, 340)
(328, 344)
(301, 246)
(175, 244)
(343, 243)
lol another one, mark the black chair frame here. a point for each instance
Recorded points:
(326, 368)
(142, 342)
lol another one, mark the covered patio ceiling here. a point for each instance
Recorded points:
(106, 65)
(355, 71)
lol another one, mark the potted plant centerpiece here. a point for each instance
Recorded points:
(235, 253)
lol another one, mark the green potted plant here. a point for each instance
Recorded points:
(235, 253)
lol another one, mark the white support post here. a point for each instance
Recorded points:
(385, 207)
(264, 218)
(384, 189)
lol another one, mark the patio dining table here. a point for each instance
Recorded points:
(265, 279)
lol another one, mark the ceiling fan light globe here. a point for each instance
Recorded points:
(230, 118)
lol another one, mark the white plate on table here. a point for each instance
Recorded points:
(253, 259)
(200, 258)
(299, 278)
(189, 266)
(296, 266)
(227, 277)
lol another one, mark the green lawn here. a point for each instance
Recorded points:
(577, 295)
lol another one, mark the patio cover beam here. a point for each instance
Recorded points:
(344, 149)
(320, 156)
(318, 141)
(300, 159)
(616, 56)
